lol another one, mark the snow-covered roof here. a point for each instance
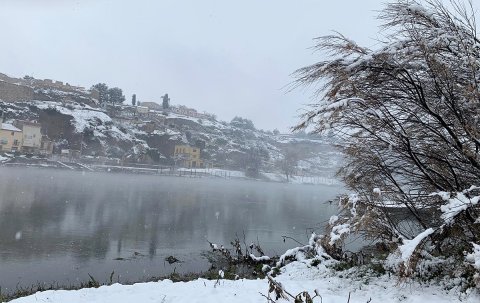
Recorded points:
(10, 127)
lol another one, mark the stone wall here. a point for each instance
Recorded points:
(8, 79)
(15, 93)
(49, 83)
(39, 85)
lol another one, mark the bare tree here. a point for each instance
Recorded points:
(288, 163)
(407, 115)
(254, 158)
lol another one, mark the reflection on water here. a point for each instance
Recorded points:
(58, 226)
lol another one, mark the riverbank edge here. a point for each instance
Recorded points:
(180, 172)
(214, 273)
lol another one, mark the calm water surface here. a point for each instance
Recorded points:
(60, 226)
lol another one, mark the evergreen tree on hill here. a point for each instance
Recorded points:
(115, 95)
(243, 123)
(102, 89)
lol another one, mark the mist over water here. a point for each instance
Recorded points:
(60, 226)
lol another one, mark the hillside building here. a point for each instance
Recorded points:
(142, 110)
(152, 105)
(31, 136)
(10, 138)
(187, 156)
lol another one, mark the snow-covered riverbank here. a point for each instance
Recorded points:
(168, 171)
(296, 277)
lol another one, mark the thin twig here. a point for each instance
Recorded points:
(287, 237)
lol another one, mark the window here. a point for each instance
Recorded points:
(13, 133)
(194, 150)
(15, 142)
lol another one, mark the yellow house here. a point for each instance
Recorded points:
(188, 156)
(10, 138)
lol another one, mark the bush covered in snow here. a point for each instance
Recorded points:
(407, 115)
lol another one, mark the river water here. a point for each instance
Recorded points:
(60, 226)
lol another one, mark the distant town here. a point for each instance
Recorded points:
(47, 122)
(25, 137)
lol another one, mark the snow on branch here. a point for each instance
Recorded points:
(259, 259)
(456, 203)
(409, 246)
(338, 231)
(403, 256)
(474, 257)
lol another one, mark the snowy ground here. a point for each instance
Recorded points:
(274, 177)
(296, 277)
(278, 177)
(4, 159)
(216, 172)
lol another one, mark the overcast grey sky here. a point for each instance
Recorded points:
(224, 57)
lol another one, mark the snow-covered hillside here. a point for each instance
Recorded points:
(111, 133)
